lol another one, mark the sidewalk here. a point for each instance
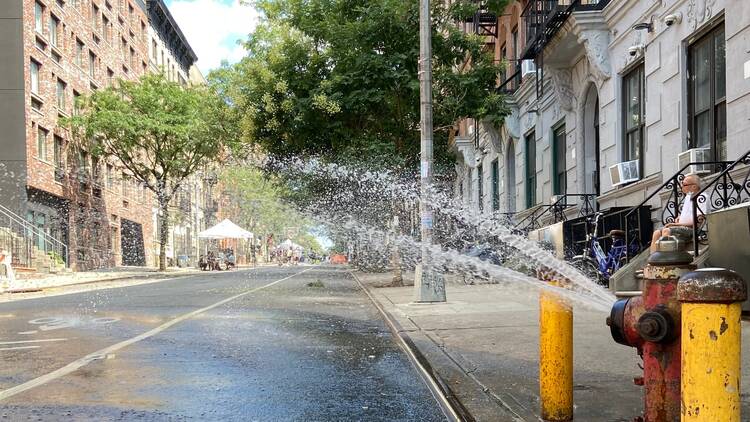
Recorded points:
(484, 344)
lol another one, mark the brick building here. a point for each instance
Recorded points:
(53, 51)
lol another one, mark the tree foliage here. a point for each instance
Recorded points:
(159, 131)
(256, 201)
(338, 79)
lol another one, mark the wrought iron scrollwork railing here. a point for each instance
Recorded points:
(671, 210)
(587, 206)
(720, 193)
(531, 221)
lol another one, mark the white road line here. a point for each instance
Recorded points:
(19, 348)
(33, 341)
(101, 354)
(25, 333)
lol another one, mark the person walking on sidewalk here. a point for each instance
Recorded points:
(682, 228)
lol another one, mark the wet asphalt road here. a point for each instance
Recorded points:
(291, 351)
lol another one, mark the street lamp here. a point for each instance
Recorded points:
(429, 285)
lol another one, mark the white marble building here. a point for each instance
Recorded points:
(624, 80)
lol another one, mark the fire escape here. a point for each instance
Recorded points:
(543, 19)
(485, 21)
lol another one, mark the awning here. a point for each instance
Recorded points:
(225, 230)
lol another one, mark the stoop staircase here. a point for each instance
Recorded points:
(33, 251)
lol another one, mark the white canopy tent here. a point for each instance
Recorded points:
(288, 244)
(225, 230)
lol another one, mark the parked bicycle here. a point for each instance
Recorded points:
(594, 262)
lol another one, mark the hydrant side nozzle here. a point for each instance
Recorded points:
(712, 285)
(657, 326)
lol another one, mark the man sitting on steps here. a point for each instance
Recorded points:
(682, 228)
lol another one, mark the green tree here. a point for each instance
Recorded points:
(258, 202)
(159, 131)
(338, 79)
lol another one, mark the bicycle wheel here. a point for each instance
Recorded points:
(588, 268)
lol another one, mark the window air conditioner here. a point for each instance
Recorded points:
(626, 172)
(527, 66)
(695, 155)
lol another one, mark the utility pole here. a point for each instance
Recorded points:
(429, 285)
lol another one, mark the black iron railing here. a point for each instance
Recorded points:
(723, 191)
(513, 82)
(485, 21)
(505, 218)
(671, 210)
(587, 206)
(531, 221)
(544, 18)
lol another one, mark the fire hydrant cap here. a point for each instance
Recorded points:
(668, 252)
(712, 285)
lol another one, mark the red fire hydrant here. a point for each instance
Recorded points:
(651, 324)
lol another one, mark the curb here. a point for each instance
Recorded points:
(103, 280)
(145, 276)
(452, 408)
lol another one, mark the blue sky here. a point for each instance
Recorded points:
(213, 28)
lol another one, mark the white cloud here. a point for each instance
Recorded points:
(212, 28)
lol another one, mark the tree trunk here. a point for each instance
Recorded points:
(163, 234)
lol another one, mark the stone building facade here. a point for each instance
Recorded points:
(617, 81)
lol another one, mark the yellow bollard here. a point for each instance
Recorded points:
(711, 328)
(555, 357)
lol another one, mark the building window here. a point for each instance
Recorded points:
(107, 29)
(83, 163)
(79, 53)
(54, 23)
(480, 186)
(61, 100)
(95, 17)
(503, 56)
(495, 185)
(38, 17)
(34, 67)
(634, 113)
(559, 149)
(124, 184)
(92, 64)
(41, 143)
(58, 157)
(110, 77)
(76, 103)
(707, 92)
(110, 176)
(154, 48)
(515, 64)
(530, 141)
